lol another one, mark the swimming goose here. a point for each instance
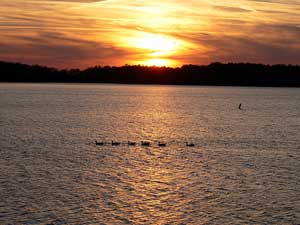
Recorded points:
(162, 144)
(115, 143)
(189, 144)
(145, 143)
(99, 143)
(131, 143)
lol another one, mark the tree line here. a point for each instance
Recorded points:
(230, 74)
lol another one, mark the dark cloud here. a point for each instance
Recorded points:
(225, 48)
(284, 2)
(54, 49)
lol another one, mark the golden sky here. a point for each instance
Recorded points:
(82, 33)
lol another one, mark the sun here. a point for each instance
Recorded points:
(157, 62)
(156, 43)
(154, 49)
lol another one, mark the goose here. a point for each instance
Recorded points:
(99, 143)
(162, 144)
(115, 143)
(189, 144)
(145, 143)
(131, 143)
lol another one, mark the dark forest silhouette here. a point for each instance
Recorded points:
(231, 74)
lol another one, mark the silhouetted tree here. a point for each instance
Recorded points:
(234, 74)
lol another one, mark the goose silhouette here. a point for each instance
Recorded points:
(131, 143)
(115, 143)
(160, 144)
(99, 143)
(189, 144)
(145, 143)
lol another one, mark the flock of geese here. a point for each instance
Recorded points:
(142, 143)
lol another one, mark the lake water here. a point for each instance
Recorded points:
(244, 169)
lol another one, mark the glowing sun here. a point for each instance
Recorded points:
(157, 62)
(154, 49)
(156, 43)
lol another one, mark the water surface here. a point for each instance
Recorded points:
(245, 168)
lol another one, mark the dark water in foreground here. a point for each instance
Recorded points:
(245, 168)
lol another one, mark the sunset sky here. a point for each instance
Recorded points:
(82, 33)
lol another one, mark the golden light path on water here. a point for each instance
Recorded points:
(244, 168)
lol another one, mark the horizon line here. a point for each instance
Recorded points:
(147, 66)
